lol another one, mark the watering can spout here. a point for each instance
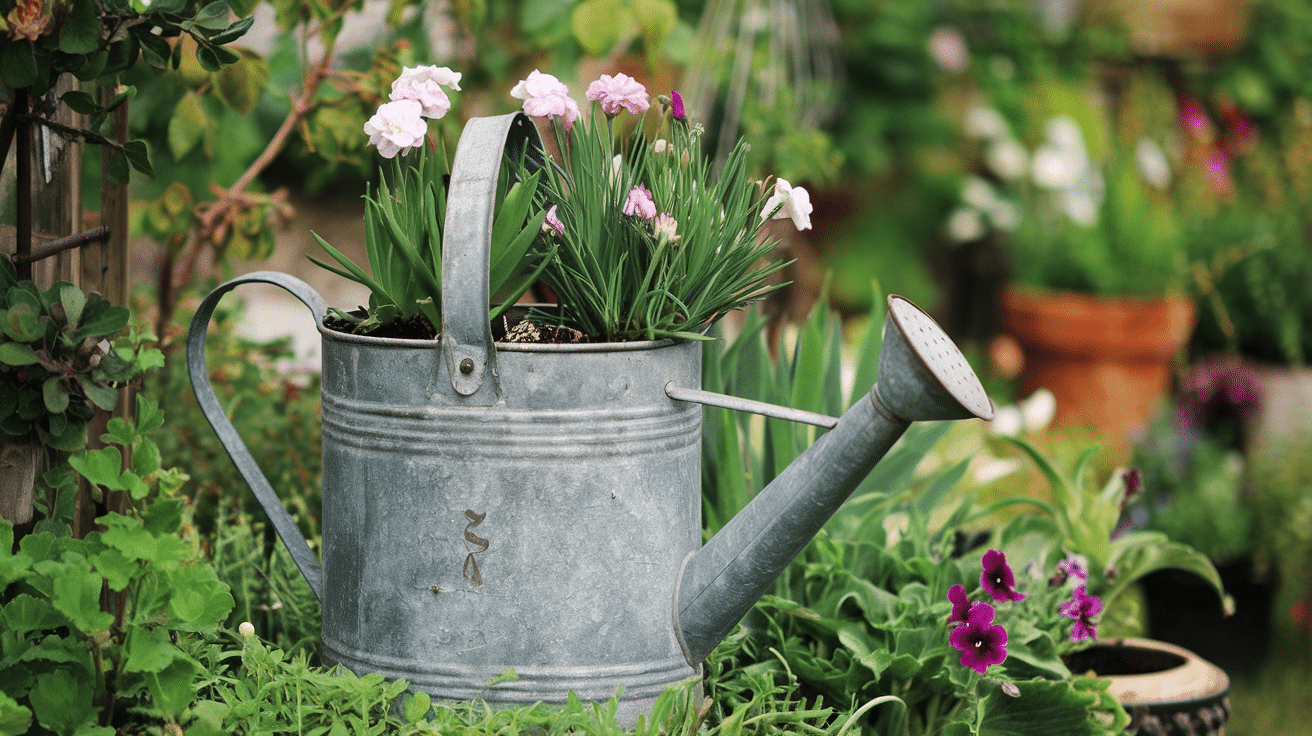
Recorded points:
(922, 377)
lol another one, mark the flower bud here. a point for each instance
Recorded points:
(246, 629)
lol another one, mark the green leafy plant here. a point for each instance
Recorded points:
(70, 664)
(57, 364)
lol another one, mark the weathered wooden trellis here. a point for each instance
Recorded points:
(50, 240)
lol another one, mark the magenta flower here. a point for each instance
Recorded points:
(1082, 607)
(619, 91)
(676, 106)
(552, 223)
(424, 85)
(981, 642)
(397, 127)
(997, 578)
(640, 203)
(960, 606)
(1070, 567)
(545, 96)
(1194, 120)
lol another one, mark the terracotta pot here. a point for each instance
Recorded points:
(1168, 690)
(1106, 360)
(1179, 28)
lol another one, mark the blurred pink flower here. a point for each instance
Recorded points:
(397, 127)
(640, 203)
(1194, 120)
(552, 223)
(1083, 608)
(544, 95)
(960, 605)
(424, 85)
(619, 91)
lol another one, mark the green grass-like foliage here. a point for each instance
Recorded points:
(616, 276)
(403, 240)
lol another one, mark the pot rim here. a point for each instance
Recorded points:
(1196, 680)
(510, 347)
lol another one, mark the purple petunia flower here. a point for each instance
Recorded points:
(997, 578)
(1070, 567)
(960, 606)
(1082, 607)
(981, 642)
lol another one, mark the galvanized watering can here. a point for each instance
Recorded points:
(489, 506)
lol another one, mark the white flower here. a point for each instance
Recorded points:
(1064, 133)
(978, 193)
(246, 629)
(665, 227)
(895, 525)
(424, 84)
(1081, 206)
(660, 146)
(789, 202)
(965, 224)
(1038, 410)
(1007, 420)
(616, 168)
(1152, 162)
(988, 470)
(985, 122)
(1004, 214)
(948, 49)
(1054, 168)
(1007, 157)
(397, 127)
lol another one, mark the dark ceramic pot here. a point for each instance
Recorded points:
(1168, 690)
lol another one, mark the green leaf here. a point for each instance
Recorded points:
(80, 33)
(164, 516)
(103, 323)
(55, 394)
(154, 49)
(62, 702)
(146, 458)
(116, 568)
(149, 650)
(240, 85)
(117, 172)
(81, 102)
(139, 156)
(26, 613)
(77, 595)
(1045, 707)
(417, 706)
(17, 64)
(102, 467)
(233, 32)
(16, 353)
(214, 15)
(15, 719)
(199, 600)
(173, 688)
(597, 24)
(72, 439)
(105, 397)
(23, 320)
(186, 125)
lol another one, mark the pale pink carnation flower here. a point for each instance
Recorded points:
(397, 127)
(424, 85)
(640, 203)
(619, 91)
(789, 202)
(552, 223)
(544, 96)
(666, 227)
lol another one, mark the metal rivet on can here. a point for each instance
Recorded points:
(467, 366)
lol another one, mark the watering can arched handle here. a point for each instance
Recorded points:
(250, 471)
(467, 245)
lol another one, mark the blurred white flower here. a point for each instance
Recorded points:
(965, 224)
(246, 628)
(1007, 158)
(987, 470)
(1152, 162)
(1052, 168)
(985, 122)
(1007, 420)
(948, 49)
(978, 193)
(1080, 206)
(1038, 409)
(895, 525)
(666, 228)
(1063, 132)
(789, 202)
(660, 146)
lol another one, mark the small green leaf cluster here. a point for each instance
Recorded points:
(57, 364)
(403, 240)
(74, 666)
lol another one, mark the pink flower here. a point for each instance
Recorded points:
(1082, 607)
(544, 96)
(552, 223)
(1194, 120)
(981, 642)
(424, 85)
(998, 579)
(640, 203)
(666, 228)
(960, 605)
(1070, 567)
(676, 105)
(397, 127)
(619, 91)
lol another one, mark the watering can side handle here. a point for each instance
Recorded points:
(250, 471)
